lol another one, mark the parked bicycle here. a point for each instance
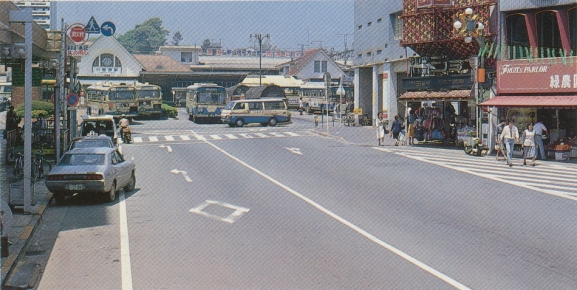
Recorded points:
(19, 166)
(349, 119)
(42, 165)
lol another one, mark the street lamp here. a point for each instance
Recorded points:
(259, 37)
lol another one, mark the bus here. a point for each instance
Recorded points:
(112, 99)
(179, 96)
(204, 102)
(313, 94)
(149, 99)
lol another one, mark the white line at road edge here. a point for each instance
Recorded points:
(124, 246)
(396, 251)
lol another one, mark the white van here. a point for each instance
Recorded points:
(264, 111)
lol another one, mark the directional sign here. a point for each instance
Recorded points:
(72, 99)
(92, 26)
(108, 28)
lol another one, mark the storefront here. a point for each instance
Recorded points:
(541, 90)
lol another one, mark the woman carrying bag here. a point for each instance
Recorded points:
(529, 144)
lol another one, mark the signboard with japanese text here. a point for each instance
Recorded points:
(453, 82)
(537, 76)
(76, 50)
(431, 3)
(77, 33)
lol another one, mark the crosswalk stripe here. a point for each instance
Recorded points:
(137, 139)
(276, 134)
(246, 136)
(230, 136)
(215, 137)
(200, 137)
(168, 138)
(184, 137)
(261, 135)
(153, 139)
(292, 134)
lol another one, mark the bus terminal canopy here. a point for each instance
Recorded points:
(271, 91)
(532, 101)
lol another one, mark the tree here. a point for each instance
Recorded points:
(145, 38)
(176, 38)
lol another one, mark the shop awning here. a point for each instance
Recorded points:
(453, 95)
(532, 101)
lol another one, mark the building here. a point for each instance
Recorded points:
(40, 11)
(378, 59)
(312, 66)
(536, 76)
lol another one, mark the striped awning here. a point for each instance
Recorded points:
(453, 95)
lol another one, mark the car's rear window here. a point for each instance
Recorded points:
(81, 159)
(90, 144)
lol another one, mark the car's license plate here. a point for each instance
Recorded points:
(75, 186)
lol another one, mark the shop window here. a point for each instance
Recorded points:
(548, 35)
(517, 36)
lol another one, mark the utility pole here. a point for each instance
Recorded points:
(302, 48)
(259, 37)
(346, 53)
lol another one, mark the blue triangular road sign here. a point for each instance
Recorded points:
(92, 26)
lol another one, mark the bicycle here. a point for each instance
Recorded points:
(42, 165)
(19, 166)
(349, 119)
(365, 120)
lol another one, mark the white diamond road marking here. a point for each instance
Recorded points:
(137, 139)
(184, 137)
(169, 138)
(238, 211)
(230, 136)
(153, 139)
(215, 137)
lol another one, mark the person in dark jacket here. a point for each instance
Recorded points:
(396, 128)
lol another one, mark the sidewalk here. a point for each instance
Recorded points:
(20, 228)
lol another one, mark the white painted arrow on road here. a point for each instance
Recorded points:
(176, 171)
(167, 148)
(295, 150)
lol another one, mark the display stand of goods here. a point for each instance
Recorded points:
(562, 150)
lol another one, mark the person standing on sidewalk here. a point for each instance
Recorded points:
(510, 134)
(539, 130)
(381, 129)
(396, 129)
(301, 106)
(411, 127)
(499, 141)
(529, 144)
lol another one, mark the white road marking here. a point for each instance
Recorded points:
(238, 211)
(186, 177)
(292, 134)
(261, 135)
(364, 233)
(295, 150)
(200, 137)
(245, 136)
(184, 137)
(215, 137)
(126, 267)
(230, 136)
(153, 139)
(168, 138)
(276, 134)
(167, 147)
(137, 139)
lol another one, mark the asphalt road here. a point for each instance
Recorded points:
(282, 208)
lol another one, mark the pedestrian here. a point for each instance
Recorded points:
(510, 135)
(12, 121)
(40, 128)
(301, 106)
(539, 130)
(529, 144)
(411, 128)
(396, 129)
(381, 128)
(500, 146)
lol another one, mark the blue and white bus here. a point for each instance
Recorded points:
(204, 102)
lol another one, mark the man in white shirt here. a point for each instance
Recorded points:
(510, 134)
(539, 130)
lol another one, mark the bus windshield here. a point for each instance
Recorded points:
(211, 98)
(148, 94)
(120, 95)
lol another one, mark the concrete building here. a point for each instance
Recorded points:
(378, 59)
(40, 11)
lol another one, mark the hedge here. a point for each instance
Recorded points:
(169, 111)
(37, 106)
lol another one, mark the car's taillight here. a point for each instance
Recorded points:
(93, 177)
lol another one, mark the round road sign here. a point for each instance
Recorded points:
(72, 99)
(77, 33)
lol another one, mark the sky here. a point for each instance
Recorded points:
(290, 23)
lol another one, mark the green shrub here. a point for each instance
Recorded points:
(47, 107)
(169, 111)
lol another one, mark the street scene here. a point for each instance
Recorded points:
(193, 160)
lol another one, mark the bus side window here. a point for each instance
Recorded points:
(240, 106)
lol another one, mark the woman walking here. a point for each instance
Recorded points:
(381, 129)
(529, 144)
(396, 129)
